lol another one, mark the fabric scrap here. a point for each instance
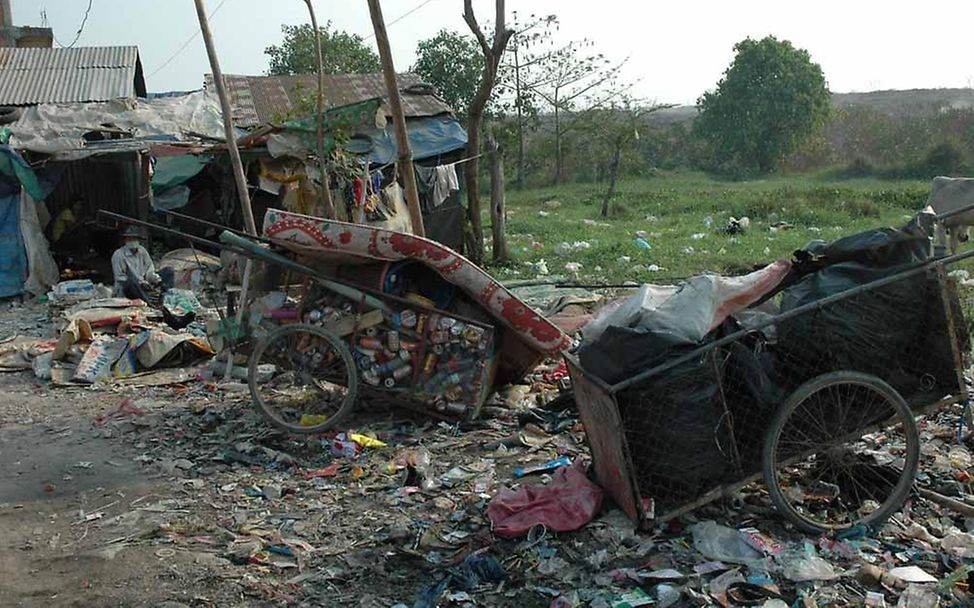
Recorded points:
(567, 503)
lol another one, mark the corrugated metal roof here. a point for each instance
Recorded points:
(31, 76)
(259, 100)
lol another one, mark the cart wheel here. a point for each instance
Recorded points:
(303, 379)
(842, 450)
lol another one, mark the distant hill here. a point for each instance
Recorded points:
(913, 102)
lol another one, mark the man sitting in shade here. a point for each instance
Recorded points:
(132, 267)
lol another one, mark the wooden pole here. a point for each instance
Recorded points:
(221, 91)
(324, 186)
(405, 158)
(497, 203)
(238, 172)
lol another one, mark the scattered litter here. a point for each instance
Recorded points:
(632, 599)
(912, 574)
(548, 466)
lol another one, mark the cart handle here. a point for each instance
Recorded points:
(253, 250)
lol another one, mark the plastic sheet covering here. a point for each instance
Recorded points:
(13, 259)
(170, 199)
(628, 335)
(428, 137)
(41, 267)
(14, 166)
(54, 128)
(169, 171)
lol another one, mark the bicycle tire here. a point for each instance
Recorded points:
(334, 342)
(806, 392)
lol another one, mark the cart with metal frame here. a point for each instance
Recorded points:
(345, 336)
(818, 401)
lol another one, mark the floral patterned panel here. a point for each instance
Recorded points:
(304, 233)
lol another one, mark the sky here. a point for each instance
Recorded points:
(675, 50)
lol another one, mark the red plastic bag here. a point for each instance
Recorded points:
(567, 503)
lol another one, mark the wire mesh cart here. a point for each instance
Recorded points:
(818, 398)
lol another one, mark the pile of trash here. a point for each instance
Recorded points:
(99, 338)
(400, 511)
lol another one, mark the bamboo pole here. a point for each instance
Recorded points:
(221, 91)
(405, 157)
(324, 182)
(238, 172)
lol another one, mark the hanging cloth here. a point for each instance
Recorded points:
(444, 184)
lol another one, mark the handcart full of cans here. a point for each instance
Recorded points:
(306, 375)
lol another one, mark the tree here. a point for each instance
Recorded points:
(530, 46)
(492, 52)
(342, 53)
(618, 127)
(452, 63)
(574, 82)
(771, 98)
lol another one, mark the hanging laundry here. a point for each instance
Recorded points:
(445, 183)
(425, 177)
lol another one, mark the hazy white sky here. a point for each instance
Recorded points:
(677, 50)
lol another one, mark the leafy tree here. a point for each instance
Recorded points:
(453, 64)
(771, 98)
(342, 53)
(617, 127)
(946, 158)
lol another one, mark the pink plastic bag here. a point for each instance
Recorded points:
(567, 503)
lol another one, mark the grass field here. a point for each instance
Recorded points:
(673, 209)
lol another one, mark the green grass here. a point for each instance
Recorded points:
(672, 208)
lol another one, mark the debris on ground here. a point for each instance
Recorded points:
(395, 508)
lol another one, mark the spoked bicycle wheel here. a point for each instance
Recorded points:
(842, 450)
(303, 379)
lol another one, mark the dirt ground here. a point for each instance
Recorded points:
(154, 497)
(182, 496)
(62, 480)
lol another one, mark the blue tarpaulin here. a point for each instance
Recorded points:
(13, 258)
(428, 137)
(15, 173)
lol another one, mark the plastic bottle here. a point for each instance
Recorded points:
(956, 576)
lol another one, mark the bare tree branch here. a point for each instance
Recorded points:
(471, 20)
(492, 57)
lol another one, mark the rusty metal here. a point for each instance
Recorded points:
(603, 429)
(69, 75)
(260, 100)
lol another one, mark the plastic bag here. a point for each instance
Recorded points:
(958, 544)
(918, 596)
(567, 503)
(806, 566)
(692, 309)
(725, 544)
